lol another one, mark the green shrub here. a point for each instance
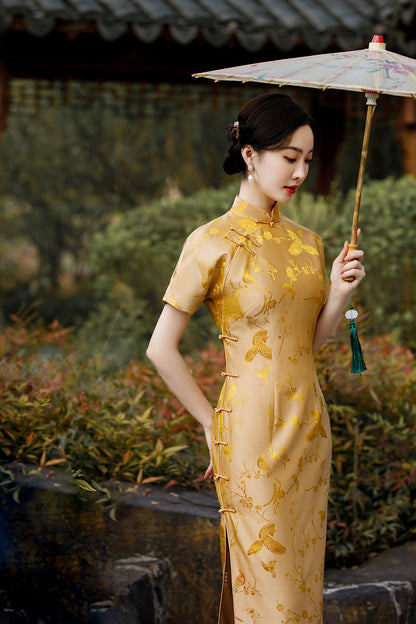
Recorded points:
(372, 501)
(128, 428)
(55, 410)
(133, 260)
(388, 222)
(134, 257)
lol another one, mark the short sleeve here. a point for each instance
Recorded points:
(195, 272)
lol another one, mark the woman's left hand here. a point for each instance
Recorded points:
(347, 264)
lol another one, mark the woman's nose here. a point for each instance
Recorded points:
(301, 171)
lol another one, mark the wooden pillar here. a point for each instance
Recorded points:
(406, 124)
(329, 113)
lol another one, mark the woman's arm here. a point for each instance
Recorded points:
(163, 351)
(347, 264)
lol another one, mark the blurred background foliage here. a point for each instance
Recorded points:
(67, 173)
(95, 206)
(94, 209)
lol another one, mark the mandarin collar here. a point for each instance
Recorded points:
(256, 213)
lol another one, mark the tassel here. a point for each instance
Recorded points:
(357, 362)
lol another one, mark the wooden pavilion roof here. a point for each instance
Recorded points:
(253, 22)
(73, 34)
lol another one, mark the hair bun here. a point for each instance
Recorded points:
(233, 161)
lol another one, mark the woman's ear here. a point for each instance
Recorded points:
(247, 154)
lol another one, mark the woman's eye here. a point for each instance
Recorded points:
(291, 160)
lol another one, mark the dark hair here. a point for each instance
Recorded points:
(267, 122)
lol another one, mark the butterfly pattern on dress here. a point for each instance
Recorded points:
(263, 279)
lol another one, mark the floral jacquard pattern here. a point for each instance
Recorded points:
(263, 279)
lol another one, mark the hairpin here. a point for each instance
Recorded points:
(236, 130)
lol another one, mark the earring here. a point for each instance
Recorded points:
(250, 176)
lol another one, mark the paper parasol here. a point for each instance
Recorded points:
(372, 71)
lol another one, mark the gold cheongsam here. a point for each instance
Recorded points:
(264, 282)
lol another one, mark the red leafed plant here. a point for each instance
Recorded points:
(126, 427)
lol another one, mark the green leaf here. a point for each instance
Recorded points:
(84, 485)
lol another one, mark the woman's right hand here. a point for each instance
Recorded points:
(163, 351)
(209, 474)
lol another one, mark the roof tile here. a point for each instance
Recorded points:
(119, 9)
(16, 5)
(158, 11)
(283, 12)
(190, 10)
(253, 21)
(311, 11)
(85, 7)
(343, 13)
(54, 6)
(253, 11)
(220, 10)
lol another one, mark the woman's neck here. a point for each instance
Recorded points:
(249, 193)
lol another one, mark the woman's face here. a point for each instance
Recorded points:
(278, 174)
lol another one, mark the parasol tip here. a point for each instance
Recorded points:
(377, 43)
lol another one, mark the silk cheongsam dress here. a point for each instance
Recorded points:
(264, 282)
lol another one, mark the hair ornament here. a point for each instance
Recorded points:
(236, 130)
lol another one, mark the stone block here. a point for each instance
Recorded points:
(361, 604)
(380, 591)
(140, 593)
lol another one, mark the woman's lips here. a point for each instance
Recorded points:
(291, 189)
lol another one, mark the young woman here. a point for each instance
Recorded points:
(263, 279)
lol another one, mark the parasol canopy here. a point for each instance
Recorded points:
(373, 71)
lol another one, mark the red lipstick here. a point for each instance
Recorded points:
(291, 189)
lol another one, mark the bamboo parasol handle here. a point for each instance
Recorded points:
(364, 151)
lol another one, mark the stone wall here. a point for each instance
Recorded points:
(64, 561)
(60, 549)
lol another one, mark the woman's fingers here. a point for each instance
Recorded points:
(342, 254)
(209, 472)
(351, 265)
(354, 269)
(347, 268)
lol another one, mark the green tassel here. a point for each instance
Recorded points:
(357, 362)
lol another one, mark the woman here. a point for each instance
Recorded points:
(263, 279)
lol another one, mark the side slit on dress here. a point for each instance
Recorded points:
(226, 612)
